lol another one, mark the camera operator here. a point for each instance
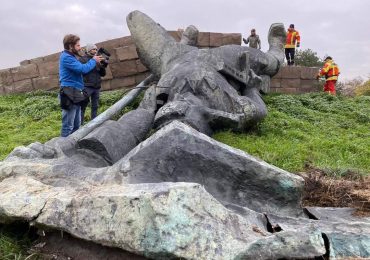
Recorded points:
(92, 82)
(71, 83)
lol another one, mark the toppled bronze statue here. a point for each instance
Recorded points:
(208, 89)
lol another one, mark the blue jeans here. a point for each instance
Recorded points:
(71, 120)
(94, 94)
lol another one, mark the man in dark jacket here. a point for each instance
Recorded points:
(92, 82)
(253, 40)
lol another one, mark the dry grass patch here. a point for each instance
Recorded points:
(350, 190)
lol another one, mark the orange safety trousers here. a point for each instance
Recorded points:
(330, 87)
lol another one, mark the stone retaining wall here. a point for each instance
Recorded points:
(125, 69)
(295, 80)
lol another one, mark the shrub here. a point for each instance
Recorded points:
(348, 87)
(363, 89)
(307, 58)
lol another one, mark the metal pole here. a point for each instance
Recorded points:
(110, 112)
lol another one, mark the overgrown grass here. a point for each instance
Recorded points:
(316, 130)
(15, 241)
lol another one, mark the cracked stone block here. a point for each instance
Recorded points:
(136, 218)
(177, 152)
(345, 239)
(335, 214)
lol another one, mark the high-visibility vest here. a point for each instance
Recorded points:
(330, 71)
(292, 38)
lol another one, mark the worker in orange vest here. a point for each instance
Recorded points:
(331, 72)
(292, 40)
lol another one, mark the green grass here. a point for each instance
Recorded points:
(316, 130)
(15, 241)
(36, 116)
(313, 129)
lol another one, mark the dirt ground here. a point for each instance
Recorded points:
(62, 246)
(350, 190)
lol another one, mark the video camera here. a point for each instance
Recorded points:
(105, 54)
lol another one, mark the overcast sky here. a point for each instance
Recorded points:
(341, 28)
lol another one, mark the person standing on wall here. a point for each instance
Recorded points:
(92, 82)
(331, 72)
(253, 40)
(71, 83)
(293, 40)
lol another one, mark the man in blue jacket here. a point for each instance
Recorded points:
(71, 83)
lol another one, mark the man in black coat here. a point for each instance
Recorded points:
(92, 82)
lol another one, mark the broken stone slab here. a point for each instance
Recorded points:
(61, 172)
(32, 151)
(114, 139)
(286, 245)
(23, 198)
(22, 152)
(289, 223)
(335, 214)
(180, 220)
(163, 220)
(349, 245)
(344, 239)
(178, 153)
(158, 221)
(257, 220)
